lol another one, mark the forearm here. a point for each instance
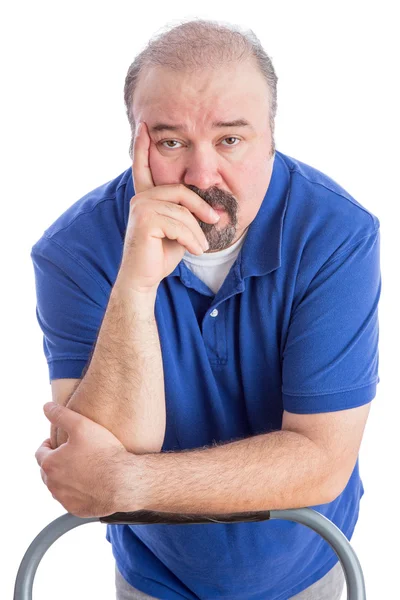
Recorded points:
(123, 388)
(273, 471)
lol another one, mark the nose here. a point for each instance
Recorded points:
(201, 169)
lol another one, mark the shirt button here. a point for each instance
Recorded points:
(214, 313)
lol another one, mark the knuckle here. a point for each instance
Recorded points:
(43, 476)
(141, 211)
(52, 487)
(47, 467)
(135, 202)
(139, 200)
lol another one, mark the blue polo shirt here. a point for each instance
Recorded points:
(293, 325)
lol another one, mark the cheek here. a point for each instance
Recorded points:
(258, 169)
(251, 180)
(246, 175)
(163, 171)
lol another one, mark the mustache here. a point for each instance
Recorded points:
(216, 197)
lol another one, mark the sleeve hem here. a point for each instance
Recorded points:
(329, 402)
(66, 369)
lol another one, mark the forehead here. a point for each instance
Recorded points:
(203, 97)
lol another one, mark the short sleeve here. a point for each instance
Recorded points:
(330, 359)
(70, 306)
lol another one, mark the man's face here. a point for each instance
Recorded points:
(228, 166)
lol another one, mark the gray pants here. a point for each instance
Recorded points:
(330, 587)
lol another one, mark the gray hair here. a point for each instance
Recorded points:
(195, 45)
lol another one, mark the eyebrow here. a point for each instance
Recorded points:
(215, 125)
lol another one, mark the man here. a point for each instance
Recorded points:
(229, 379)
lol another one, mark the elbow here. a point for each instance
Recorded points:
(145, 442)
(338, 482)
(139, 442)
(334, 490)
(142, 446)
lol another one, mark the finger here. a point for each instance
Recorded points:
(43, 476)
(179, 194)
(63, 417)
(180, 224)
(141, 172)
(43, 451)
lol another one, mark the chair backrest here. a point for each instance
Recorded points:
(306, 516)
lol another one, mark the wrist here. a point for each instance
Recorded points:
(145, 300)
(133, 484)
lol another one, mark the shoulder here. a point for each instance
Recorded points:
(103, 199)
(91, 231)
(322, 217)
(315, 192)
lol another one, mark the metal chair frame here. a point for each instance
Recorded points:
(306, 516)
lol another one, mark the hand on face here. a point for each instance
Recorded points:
(161, 225)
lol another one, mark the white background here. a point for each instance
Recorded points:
(64, 132)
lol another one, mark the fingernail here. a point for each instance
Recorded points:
(139, 128)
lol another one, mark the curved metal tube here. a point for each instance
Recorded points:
(306, 516)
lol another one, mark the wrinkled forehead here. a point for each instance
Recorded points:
(206, 96)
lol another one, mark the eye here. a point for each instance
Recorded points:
(168, 141)
(231, 138)
(176, 142)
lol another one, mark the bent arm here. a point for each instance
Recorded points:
(273, 471)
(123, 387)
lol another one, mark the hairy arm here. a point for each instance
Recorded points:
(273, 471)
(123, 387)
